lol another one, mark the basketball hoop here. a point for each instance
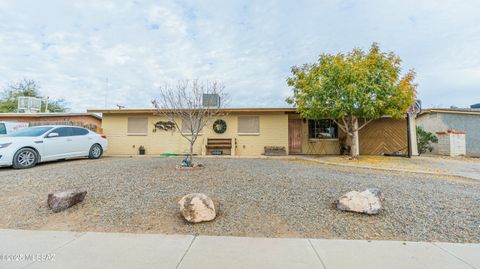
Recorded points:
(415, 109)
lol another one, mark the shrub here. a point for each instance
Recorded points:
(425, 140)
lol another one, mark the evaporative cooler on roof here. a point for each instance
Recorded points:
(28, 104)
(211, 100)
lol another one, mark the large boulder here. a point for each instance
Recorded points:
(197, 207)
(59, 201)
(367, 201)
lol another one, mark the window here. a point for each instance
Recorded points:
(248, 125)
(322, 129)
(79, 131)
(137, 126)
(30, 132)
(63, 131)
(3, 129)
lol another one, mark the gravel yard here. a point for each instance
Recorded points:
(258, 197)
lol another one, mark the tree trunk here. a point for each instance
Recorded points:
(355, 147)
(191, 155)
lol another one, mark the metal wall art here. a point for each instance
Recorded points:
(164, 125)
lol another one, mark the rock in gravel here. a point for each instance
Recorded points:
(59, 201)
(197, 207)
(367, 201)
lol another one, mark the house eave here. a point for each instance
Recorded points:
(227, 110)
(451, 111)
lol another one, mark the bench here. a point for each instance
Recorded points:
(219, 143)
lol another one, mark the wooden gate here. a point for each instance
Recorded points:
(383, 136)
(295, 136)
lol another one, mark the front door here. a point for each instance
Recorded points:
(295, 136)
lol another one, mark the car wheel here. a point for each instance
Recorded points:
(96, 152)
(25, 158)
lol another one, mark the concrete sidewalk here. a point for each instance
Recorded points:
(20, 249)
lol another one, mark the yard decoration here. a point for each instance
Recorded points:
(183, 105)
(186, 162)
(367, 202)
(197, 207)
(219, 126)
(164, 125)
(60, 201)
(352, 89)
(187, 166)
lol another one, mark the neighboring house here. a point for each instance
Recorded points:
(87, 120)
(249, 131)
(441, 120)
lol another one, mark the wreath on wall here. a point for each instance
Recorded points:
(219, 126)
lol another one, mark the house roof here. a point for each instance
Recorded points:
(227, 110)
(469, 111)
(148, 111)
(51, 114)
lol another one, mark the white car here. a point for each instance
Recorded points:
(27, 147)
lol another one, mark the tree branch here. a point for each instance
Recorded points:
(344, 128)
(363, 125)
(183, 105)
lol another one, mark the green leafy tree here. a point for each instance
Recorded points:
(29, 88)
(348, 88)
(425, 140)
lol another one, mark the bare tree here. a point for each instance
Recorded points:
(183, 105)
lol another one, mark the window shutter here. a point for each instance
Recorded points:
(137, 126)
(248, 125)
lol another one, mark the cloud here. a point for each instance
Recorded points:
(73, 48)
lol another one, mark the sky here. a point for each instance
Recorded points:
(97, 54)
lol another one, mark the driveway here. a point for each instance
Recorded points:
(467, 167)
(258, 198)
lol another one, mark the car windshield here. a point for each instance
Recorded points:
(33, 131)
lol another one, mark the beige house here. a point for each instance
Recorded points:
(248, 131)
